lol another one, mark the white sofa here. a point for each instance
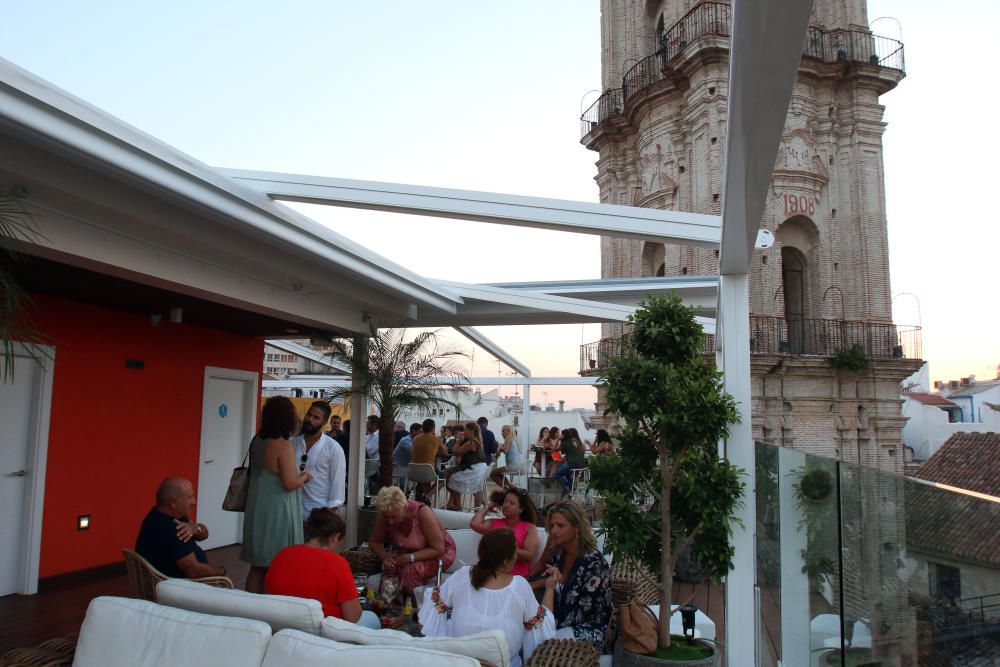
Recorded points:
(280, 612)
(122, 632)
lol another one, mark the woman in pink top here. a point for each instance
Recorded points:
(520, 516)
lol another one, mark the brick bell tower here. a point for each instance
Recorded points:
(659, 129)
(819, 295)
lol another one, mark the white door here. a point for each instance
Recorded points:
(24, 416)
(227, 421)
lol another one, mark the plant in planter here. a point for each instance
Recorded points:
(665, 484)
(850, 359)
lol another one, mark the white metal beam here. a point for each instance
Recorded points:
(323, 382)
(764, 57)
(498, 352)
(562, 215)
(538, 301)
(700, 292)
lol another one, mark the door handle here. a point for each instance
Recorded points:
(18, 473)
(210, 461)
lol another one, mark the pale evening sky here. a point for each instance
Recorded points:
(486, 96)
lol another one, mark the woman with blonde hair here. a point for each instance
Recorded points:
(513, 457)
(582, 604)
(416, 537)
(470, 474)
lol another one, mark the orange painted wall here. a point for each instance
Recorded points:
(116, 432)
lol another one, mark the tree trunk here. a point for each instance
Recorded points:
(666, 569)
(386, 437)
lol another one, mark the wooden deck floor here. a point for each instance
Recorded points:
(28, 620)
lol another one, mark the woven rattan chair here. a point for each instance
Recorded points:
(564, 653)
(52, 653)
(143, 577)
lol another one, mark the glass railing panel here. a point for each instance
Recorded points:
(927, 588)
(861, 567)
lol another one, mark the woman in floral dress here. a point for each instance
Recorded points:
(582, 605)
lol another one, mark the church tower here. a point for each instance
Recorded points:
(820, 296)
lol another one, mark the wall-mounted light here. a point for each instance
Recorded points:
(83, 522)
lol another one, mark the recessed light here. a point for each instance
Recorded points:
(83, 522)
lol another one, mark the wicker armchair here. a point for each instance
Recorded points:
(629, 579)
(143, 577)
(564, 653)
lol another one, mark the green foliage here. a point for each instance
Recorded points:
(397, 372)
(681, 650)
(16, 229)
(851, 359)
(675, 412)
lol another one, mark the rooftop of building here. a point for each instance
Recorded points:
(968, 461)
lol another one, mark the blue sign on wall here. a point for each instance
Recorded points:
(223, 410)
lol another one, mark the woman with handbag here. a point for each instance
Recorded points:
(273, 517)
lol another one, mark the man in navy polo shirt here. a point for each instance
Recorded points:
(168, 539)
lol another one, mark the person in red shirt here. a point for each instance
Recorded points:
(317, 571)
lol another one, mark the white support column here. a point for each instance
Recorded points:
(794, 582)
(356, 474)
(734, 316)
(525, 436)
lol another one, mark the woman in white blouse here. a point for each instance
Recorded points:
(487, 597)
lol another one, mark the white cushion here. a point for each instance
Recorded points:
(466, 548)
(121, 632)
(488, 646)
(451, 520)
(278, 611)
(291, 647)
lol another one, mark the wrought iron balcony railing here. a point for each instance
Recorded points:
(714, 19)
(775, 335)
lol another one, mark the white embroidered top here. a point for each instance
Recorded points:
(512, 609)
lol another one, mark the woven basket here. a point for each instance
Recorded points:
(363, 560)
(628, 582)
(564, 653)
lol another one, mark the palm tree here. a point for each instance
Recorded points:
(396, 373)
(16, 228)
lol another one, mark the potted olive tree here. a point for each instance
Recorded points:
(665, 484)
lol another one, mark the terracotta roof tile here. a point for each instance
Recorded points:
(966, 460)
(930, 399)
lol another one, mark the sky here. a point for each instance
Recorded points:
(486, 96)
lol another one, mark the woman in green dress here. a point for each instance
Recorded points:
(273, 518)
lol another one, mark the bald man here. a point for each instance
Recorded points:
(168, 539)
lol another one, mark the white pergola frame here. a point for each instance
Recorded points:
(208, 244)
(766, 47)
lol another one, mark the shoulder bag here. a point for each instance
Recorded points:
(637, 627)
(239, 486)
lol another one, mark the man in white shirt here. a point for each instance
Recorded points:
(371, 448)
(324, 458)
(371, 440)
